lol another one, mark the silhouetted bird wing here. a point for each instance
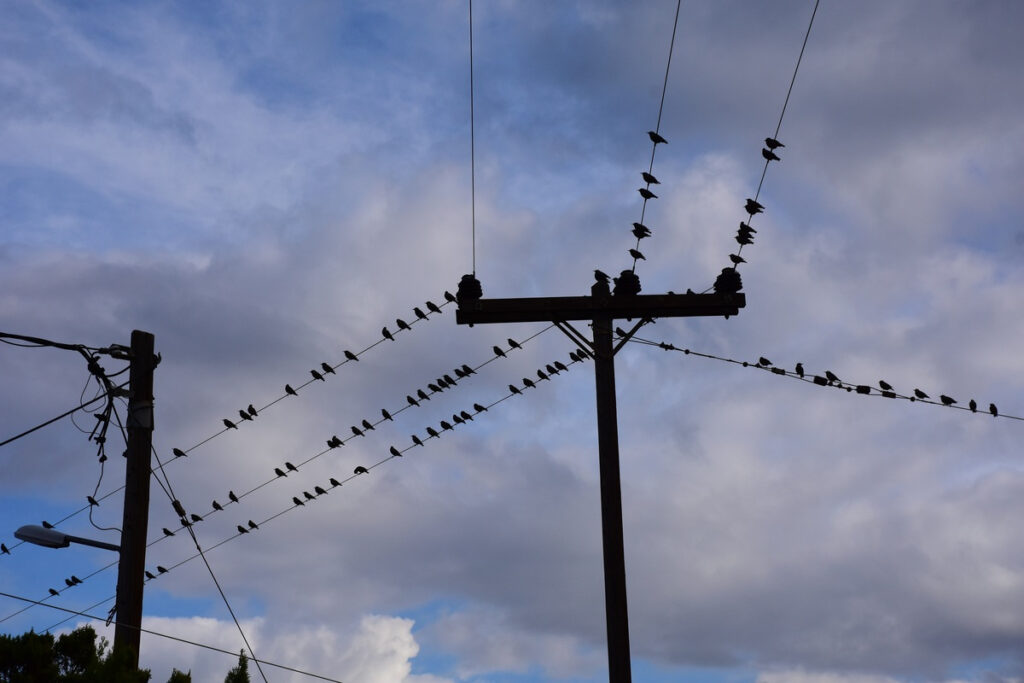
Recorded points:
(402, 325)
(395, 452)
(648, 178)
(279, 472)
(335, 482)
(288, 390)
(992, 409)
(769, 155)
(884, 386)
(360, 470)
(479, 408)
(655, 138)
(251, 410)
(350, 356)
(772, 143)
(946, 400)
(178, 453)
(317, 375)
(168, 532)
(419, 313)
(327, 368)
(229, 424)
(387, 335)
(920, 394)
(319, 490)
(647, 194)
(295, 499)
(216, 506)
(232, 497)
(432, 307)
(291, 467)
(637, 255)
(641, 231)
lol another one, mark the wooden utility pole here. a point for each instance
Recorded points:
(132, 566)
(601, 308)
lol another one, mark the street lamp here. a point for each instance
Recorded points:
(51, 538)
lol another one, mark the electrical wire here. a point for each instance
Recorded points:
(826, 380)
(58, 418)
(472, 139)
(76, 613)
(757, 195)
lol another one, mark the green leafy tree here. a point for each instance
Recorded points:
(179, 677)
(239, 674)
(75, 657)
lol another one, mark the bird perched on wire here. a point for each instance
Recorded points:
(973, 405)
(291, 467)
(498, 352)
(419, 313)
(769, 155)
(800, 370)
(946, 400)
(4, 550)
(422, 395)
(288, 390)
(772, 143)
(178, 453)
(216, 506)
(150, 575)
(334, 442)
(279, 472)
(479, 408)
(360, 470)
(416, 440)
(737, 259)
(637, 255)
(763, 362)
(196, 518)
(327, 368)
(992, 409)
(649, 179)
(319, 490)
(647, 194)
(432, 307)
(162, 570)
(920, 394)
(92, 501)
(386, 334)
(232, 497)
(753, 207)
(356, 431)
(334, 482)
(884, 386)
(600, 276)
(229, 424)
(402, 325)
(168, 532)
(655, 138)
(395, 452)
(641, 231)
(317, 375)
(350, 356)
(295, 499)
(831, 376)
(433, 433)
(242, 529)
(308, 495)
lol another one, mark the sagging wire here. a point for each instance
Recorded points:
(84, 613)
(543, 374)
(729, 281)
(830, 379)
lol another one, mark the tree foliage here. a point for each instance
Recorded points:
(239, 674)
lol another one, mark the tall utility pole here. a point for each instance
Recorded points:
(601, 308)
(132, 566)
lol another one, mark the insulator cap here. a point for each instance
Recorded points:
(469, 289)
(627, 284)
(728, 282)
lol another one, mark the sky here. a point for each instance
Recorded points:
(264, 186)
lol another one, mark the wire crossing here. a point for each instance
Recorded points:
(830, 379)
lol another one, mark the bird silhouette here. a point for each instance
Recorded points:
(649, 179)
(637, 255)
(75, 580)
(449, 297)
(387, 335)
(386, 415)
(47, 525)
(334, 442)
(468, 370)
(92, 501)
(253, 525)
(308, 495)
(279, 472)
(196, 518)
(884, 386)
(973, 405)
(229, 424)
(513, 343)
(168, 532)
(4, 550)
(800, 370)
(291, 467)
(753, 207)
(422, 395)
(360, 470)
(216, 506)
(447, 378)
(647, 194)
(541, 376)
(433, 433)
(528, 383)
(551, 369)
(334, 482)
(459, 373)
(772, 143)
(946, 400)
(295, 499)
(498, 352)
(178, 453)
(432, 307)
(232, 497)
(366, 425)
(356, 431)
(412, 401)
(162, 570)
(419, 313)
(288, 390)
(416, 440)
(831, 376)
(317, 375)
(395, 452)
(457, 420)
(68, 583)
(327, 368)
(446, 425)
(737, 259)
(641, 231)
(514, 389)
(655, 138)
(242, 529)
(150, 575)
(54, 592)
(464, 415)
(479, 408)
(560, 365)
(920, 394)
(244, 415)
(600, 276)
(433, 387)
(319, 490)
(764, 362)
(350, 356)
(769, 155)
(251, 410)
(992, 409)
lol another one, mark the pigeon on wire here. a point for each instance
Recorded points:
(647, 194)
(772, 143)
(649, 179)
(655, 138)
(769, 155)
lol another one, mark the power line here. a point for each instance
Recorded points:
(830, 379)
(729, 280)
(60, 417)
(151, 632)
(472, 139)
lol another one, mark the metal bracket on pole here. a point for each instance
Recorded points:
(629, 335)
(572, 333)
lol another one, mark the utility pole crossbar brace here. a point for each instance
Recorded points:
(601, 308)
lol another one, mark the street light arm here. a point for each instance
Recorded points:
(52, 538)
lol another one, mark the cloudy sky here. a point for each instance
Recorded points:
(265, 185)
